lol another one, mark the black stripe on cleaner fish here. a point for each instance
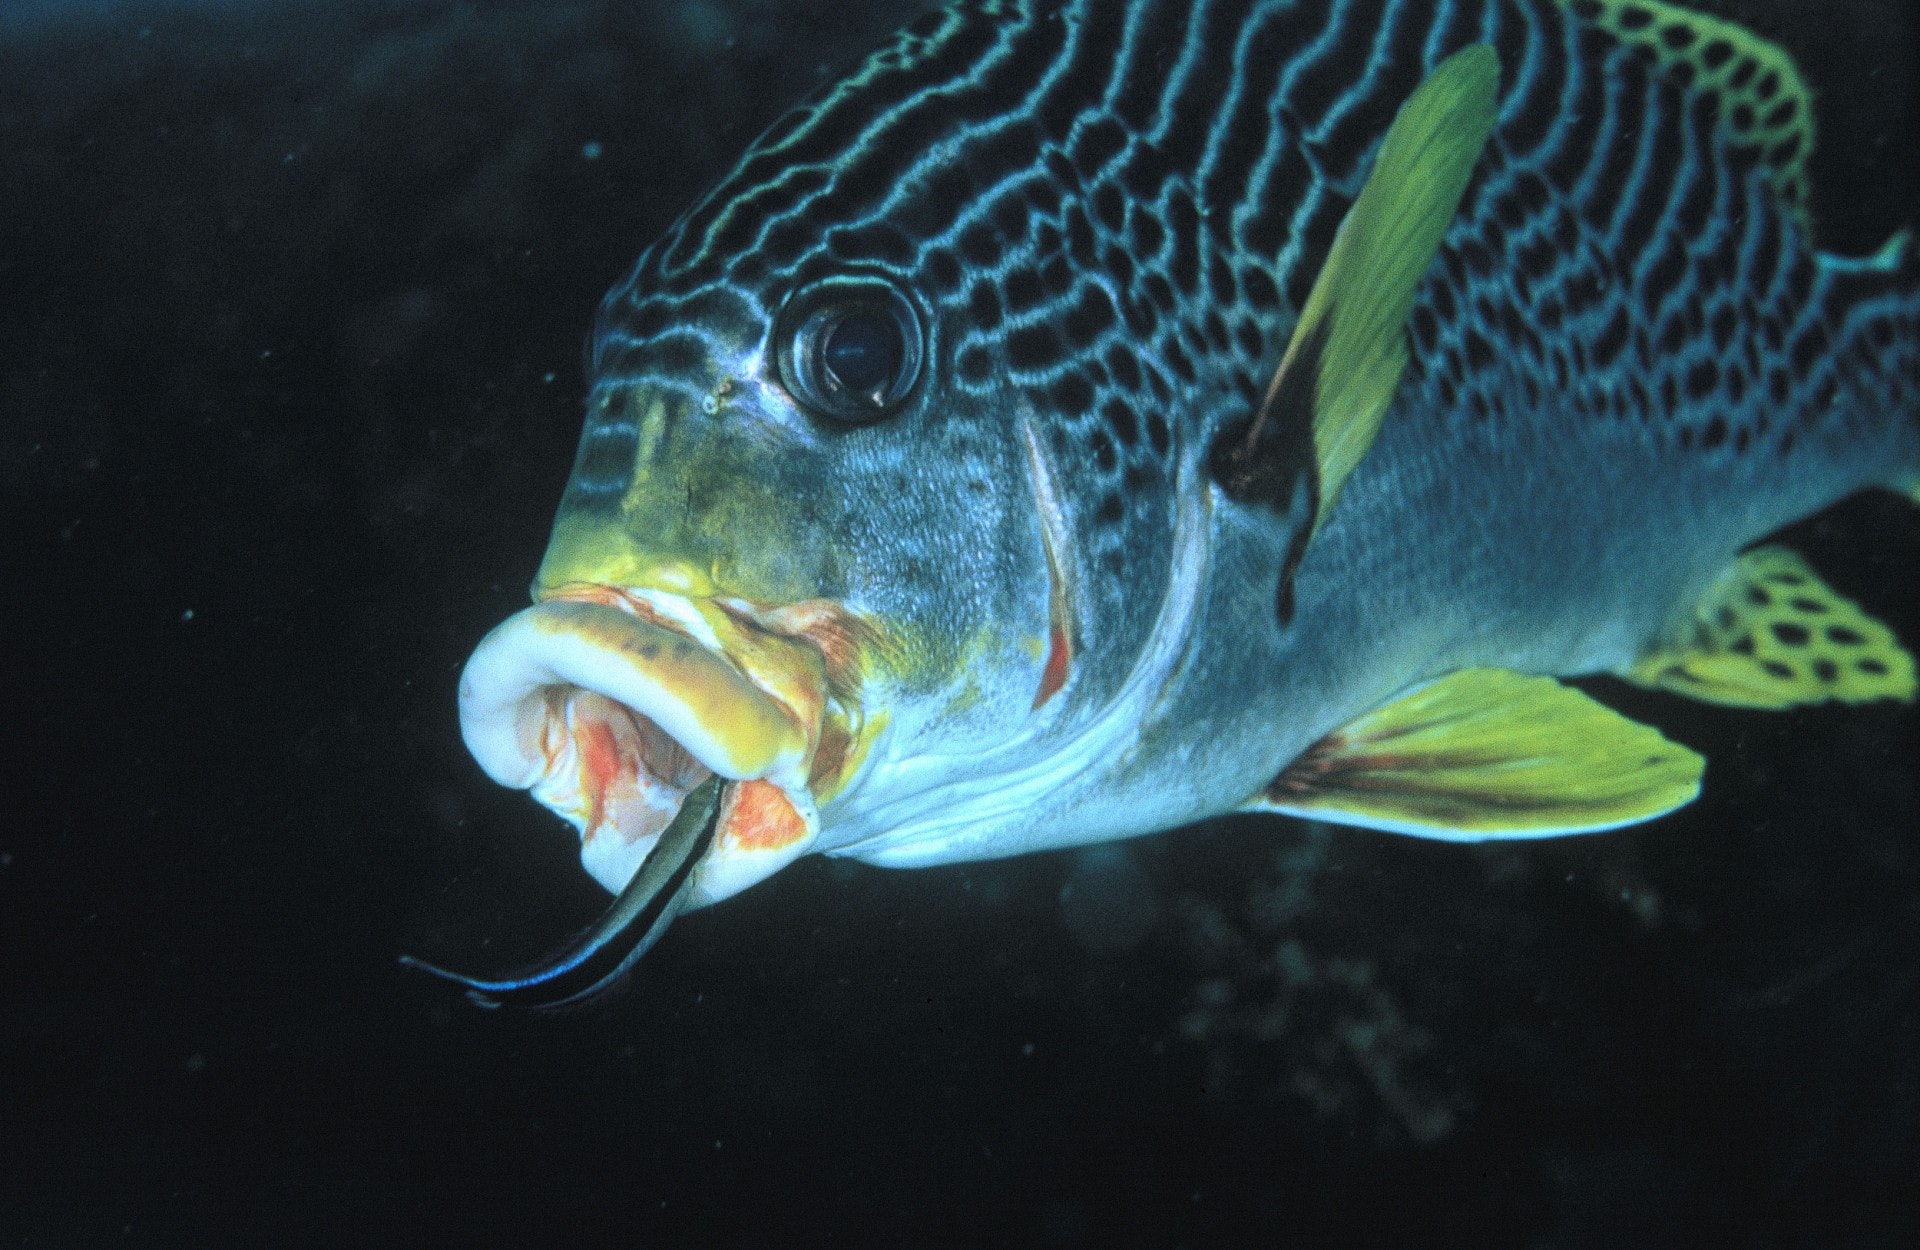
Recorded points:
(1091, 417)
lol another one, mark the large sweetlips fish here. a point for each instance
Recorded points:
(1091, 417)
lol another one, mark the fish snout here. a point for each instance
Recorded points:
(612, 705)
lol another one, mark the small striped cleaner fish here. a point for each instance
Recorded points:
(1091, 417)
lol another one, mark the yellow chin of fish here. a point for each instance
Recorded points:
(611, 705)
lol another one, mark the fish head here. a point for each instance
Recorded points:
(788, 555)
(873, 511)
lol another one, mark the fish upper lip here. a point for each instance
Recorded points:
(695, 693)
(681, 615)
(749, 691)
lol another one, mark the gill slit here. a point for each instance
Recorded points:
(973, 788)
(1060, 616)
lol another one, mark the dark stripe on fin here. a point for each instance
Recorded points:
(1486, 753)
(1269, 458)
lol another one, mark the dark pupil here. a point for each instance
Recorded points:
(863, 351)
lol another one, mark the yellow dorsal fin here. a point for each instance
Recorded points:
(1764, 102)
(1770, 634)
(1486, 753)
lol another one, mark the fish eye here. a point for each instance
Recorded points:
(849, 349)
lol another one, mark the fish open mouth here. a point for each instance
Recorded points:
(611, 705)
(621, 710)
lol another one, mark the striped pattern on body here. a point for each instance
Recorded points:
(1118, 205)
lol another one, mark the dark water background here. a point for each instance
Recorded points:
(292, 298)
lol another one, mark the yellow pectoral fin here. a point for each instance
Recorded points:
(1487, 753)
(1770, 634)
(1344, 361)
(1357, 310)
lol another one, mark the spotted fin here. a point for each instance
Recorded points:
(1486, 753)
(1770, 634)
(1763, 102)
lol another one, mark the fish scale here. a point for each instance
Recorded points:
(1273, 398)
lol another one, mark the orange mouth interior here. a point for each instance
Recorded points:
(628, 779)
(611, 706)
